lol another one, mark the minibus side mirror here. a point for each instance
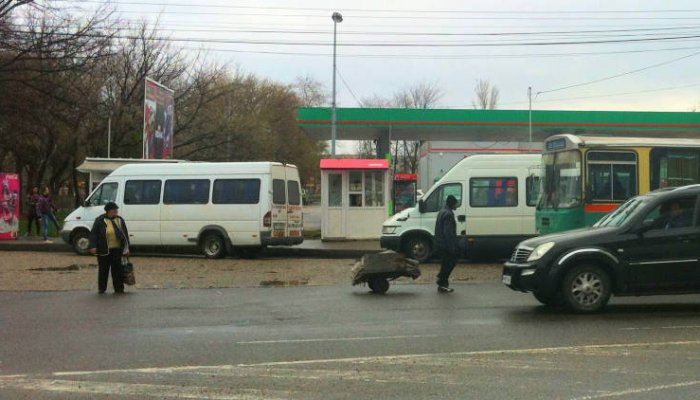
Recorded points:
(86, 203)
(421, 206)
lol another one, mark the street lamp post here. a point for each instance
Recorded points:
(337, 18)
(529, 125)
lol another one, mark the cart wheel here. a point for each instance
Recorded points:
(378, 285)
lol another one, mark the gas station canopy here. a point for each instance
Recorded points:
(491, 125)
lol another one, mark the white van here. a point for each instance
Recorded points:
(497, 195)
(220, 207)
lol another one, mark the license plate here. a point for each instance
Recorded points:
(506, 279)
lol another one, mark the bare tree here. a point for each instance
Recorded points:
(310, 91)
(6, 6)
(486, 95)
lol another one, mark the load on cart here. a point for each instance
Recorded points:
(378, 269)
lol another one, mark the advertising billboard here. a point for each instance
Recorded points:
(9, 206)
(158, 121)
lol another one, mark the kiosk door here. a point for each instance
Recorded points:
(335, 221)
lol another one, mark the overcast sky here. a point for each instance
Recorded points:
(385, 46)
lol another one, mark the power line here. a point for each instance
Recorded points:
(347, 86)
(620, 75)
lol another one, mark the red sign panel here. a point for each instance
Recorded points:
(9, 206)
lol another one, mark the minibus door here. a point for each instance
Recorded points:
(279, 204)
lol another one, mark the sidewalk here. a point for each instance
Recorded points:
(310, 248)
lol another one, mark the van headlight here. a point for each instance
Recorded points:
(388, 229)
(540, 251)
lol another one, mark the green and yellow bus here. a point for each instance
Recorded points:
(585, 177)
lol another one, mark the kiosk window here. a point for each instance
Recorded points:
(236, 191)
(142, 192)
(493, 192)
(374, 189)
(335, 190)
(279, 192)
(612, 176)
(293, 192)
(437, 198)
(186, 191)
(355, 189)
(104, 194)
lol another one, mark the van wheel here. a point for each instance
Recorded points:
(419, 249)
(81, 242)
(213, 246)
(586, 288)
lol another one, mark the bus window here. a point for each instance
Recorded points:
(612, 176)
(532, 190)
(562, 180)
(674, 167)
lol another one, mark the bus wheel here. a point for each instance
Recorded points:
(586, 288)
(213, 246)
(81, 242)
(419, 248)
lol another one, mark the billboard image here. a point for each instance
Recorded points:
(158, 121)
(9, 206)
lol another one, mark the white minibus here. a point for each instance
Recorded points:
(497, 195)
(224, 208)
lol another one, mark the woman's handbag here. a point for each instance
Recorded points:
(128, 270)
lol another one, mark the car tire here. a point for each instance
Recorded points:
(81, 242)
(586, 288)
(419, 248)
(378, 285)
(213, 246)
(549, 300)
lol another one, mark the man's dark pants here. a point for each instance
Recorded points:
(448, 260)
(111, 261)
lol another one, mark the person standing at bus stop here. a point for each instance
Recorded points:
(446, 243)
(109, 241)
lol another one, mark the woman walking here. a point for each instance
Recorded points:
(109, 240)
(32, 217)
(45, 209)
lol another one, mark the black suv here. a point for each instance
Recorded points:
(649, 245)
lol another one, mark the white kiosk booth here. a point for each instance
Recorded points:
(355, 196)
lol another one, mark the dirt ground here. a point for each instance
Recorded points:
(27, 271)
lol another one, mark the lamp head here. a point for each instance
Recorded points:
(337, 17)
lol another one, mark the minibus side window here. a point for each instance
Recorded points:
(186, 191)
(493, 192)
(104, 194)
(279, 195)
(293, 191)
(236, 191)
(142, 192)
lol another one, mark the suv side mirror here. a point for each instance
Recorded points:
(421, 206)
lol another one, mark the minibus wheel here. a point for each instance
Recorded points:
(81, 242)
(213, 246)
(418, 248)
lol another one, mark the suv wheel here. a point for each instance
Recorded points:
(586, 288)
(419, 248)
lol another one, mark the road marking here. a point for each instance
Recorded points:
(649, 328)
(349, 339)
(382, 358)
(638, 391)
(139, 389)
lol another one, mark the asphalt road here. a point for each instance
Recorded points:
(340, 342)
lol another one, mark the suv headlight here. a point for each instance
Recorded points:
(540, 251)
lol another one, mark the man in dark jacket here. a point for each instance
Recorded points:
(109, 240)
(446, 243)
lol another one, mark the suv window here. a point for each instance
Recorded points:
(437, 199)
(672, 214)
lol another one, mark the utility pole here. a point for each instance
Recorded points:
(529, 125)
(337, 18)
